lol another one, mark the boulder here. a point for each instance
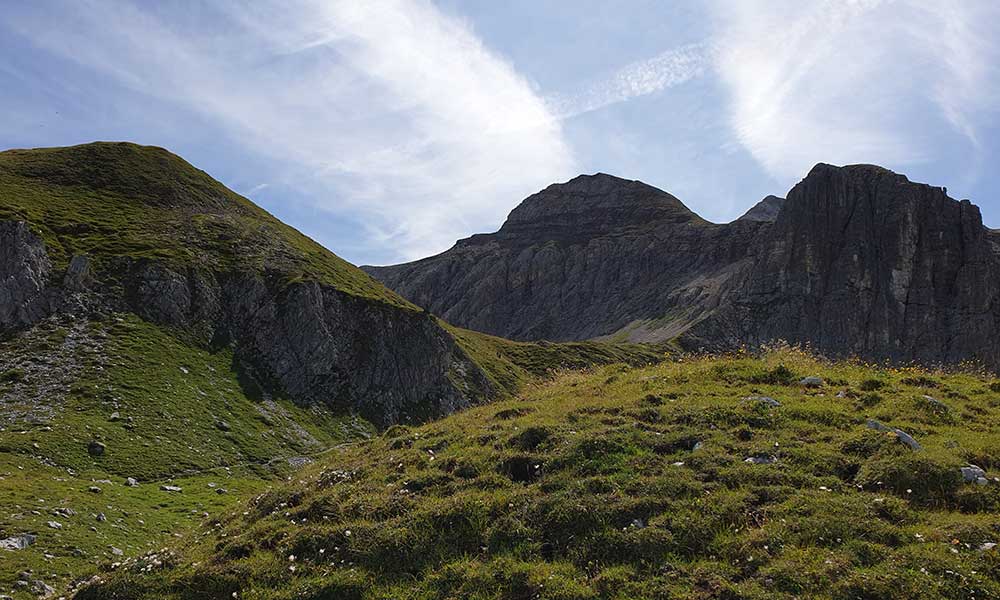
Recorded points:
(96, 448)
(42, 589)
(17, 542)
(901, 435)
(972, 473)
(763, 400)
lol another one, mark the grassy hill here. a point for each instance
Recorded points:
(92, 395)
(699, 478)
(115, 199)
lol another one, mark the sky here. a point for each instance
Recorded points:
(388, 129)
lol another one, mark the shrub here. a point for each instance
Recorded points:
(919, 381)
(869, 400)
(871, 385)
(780, 375)
(12, 375)
(531, 438)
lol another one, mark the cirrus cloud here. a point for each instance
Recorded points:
(852, 81)
(396, 113)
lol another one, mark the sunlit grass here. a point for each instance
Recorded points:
(633, 482)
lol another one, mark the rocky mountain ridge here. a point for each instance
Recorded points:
(857, 260)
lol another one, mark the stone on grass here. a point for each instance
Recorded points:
(763, 400)
(811, 382)
(907, 439)
(40, 588)
(170, 488)
(131, 482)
(901, 435)
(873, 424)
(95, 448)
(972, 473)
(17, 542)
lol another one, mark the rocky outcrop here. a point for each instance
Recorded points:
(24, 270)
(861, 261)
(857, 261)
(310, 341)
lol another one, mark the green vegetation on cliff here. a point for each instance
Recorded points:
(698, 478)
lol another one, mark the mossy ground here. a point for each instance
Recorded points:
(166, 412)
(626, 483)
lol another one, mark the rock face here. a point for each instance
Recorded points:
(309, 340)
(301, 322)
(857, 260)
(578, 260)
(24, 269)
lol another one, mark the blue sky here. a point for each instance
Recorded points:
(388, 129)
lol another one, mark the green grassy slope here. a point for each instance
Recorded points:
(124, 200)
(166, 412)
(629, 483)
(509, 364)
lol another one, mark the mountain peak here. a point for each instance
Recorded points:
(590, 205)
(764, 211)
(855, 171)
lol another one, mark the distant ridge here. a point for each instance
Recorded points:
(857, 261)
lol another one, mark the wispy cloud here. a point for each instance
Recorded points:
(398, 113)
(641, 78)
(257, 188)
(853, 81)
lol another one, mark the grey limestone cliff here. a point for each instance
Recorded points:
(857, 261)
(310, 341)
